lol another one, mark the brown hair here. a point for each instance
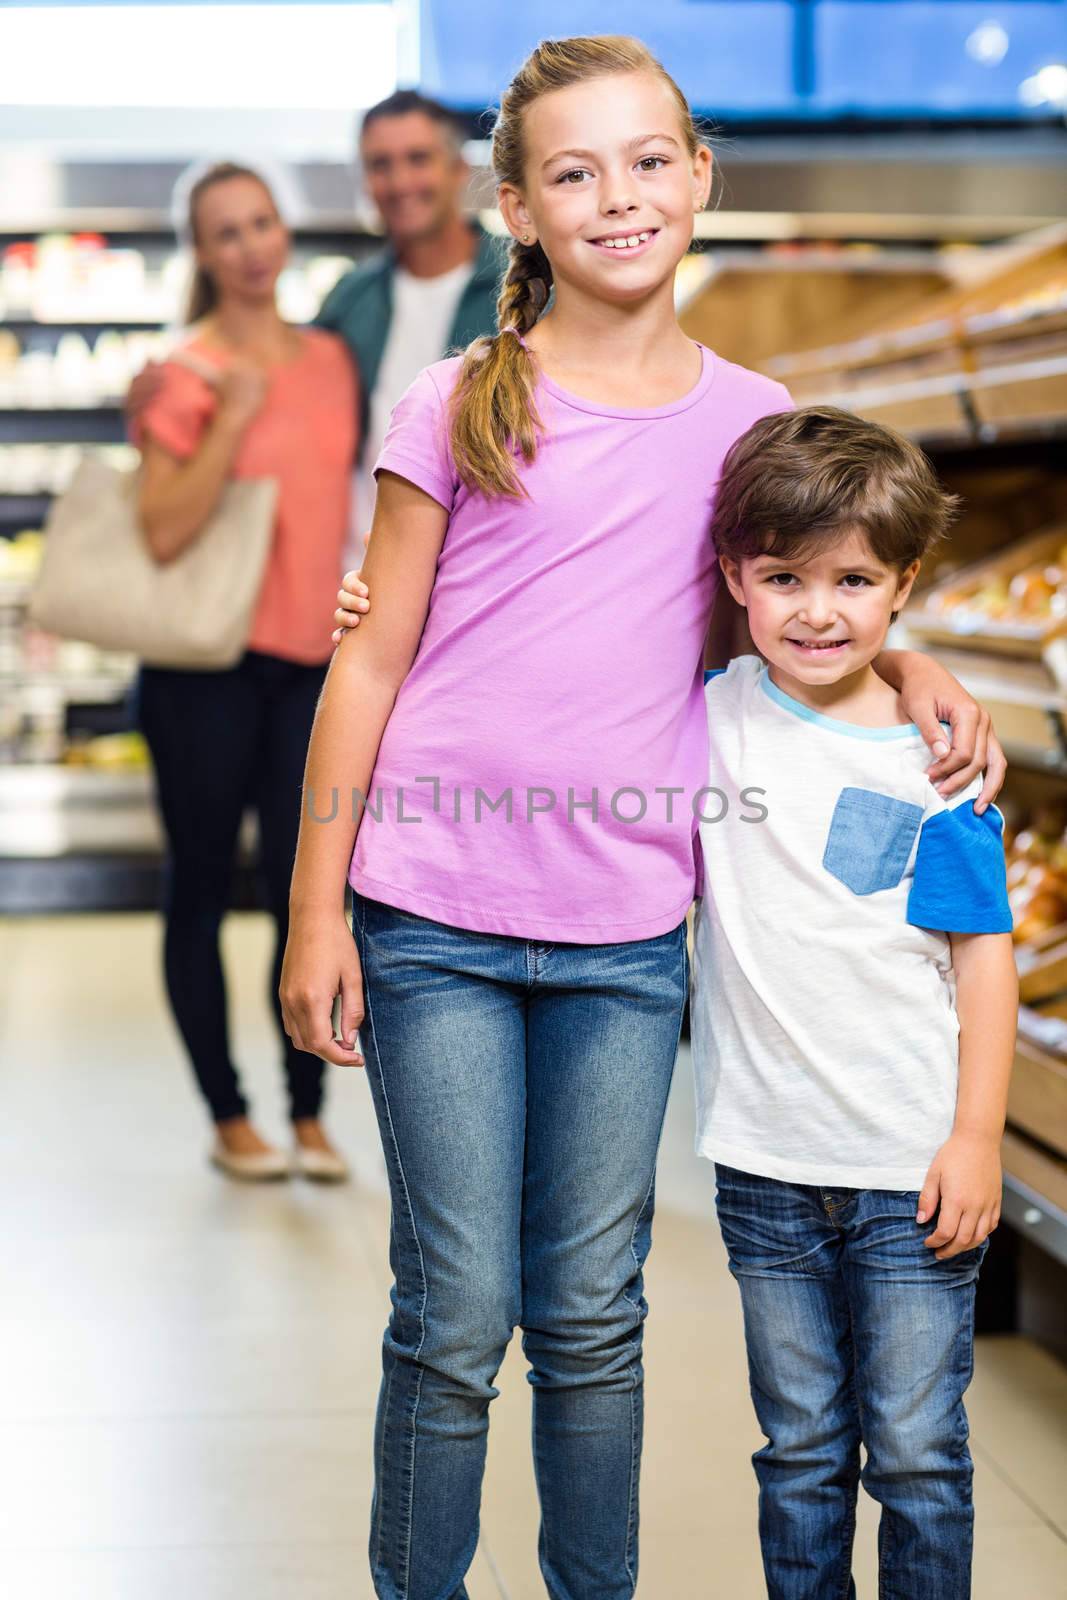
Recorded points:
(492, 407)
(202, 295)
(817, 474)
(405, 102)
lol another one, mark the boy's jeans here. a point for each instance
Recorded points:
(856, 1333)
(520, 1090)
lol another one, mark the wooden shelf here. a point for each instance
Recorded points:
(982, 361)
(1035, 1193)
(1037, 1099)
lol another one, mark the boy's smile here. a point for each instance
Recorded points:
(827, 649)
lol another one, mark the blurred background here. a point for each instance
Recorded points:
(188, 1369)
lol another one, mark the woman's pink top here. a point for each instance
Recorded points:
(305, 438)
(539, 771)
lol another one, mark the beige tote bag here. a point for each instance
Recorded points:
(99, 582)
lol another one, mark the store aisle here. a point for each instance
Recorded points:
(188, 1367)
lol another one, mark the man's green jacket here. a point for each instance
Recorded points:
(360, 308)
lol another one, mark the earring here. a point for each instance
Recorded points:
(526, 238)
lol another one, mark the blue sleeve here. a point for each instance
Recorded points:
(713, 672)
(960, 882)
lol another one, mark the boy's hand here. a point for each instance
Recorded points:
(965, 1181)
(354, 599)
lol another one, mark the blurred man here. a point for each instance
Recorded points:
(434, 286)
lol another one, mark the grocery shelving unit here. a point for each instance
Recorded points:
(78, 826)
(977, 374)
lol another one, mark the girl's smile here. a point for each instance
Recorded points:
(632, 243)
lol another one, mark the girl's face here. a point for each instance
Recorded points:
(240, 238)
(610, 188)
(824, 618)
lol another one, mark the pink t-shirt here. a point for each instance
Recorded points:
(561, 662)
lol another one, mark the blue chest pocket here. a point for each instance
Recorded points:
(870, 840)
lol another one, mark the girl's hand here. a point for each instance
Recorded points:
(965, 1181)
(354, 599)
(930, 694)
(321, 962)
(242, 389)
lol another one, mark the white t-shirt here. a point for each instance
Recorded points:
(825, 1035)
(424, 310)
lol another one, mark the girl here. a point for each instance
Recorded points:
(521, 768)
(263, 400)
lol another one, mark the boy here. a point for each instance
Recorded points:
(853, 1019)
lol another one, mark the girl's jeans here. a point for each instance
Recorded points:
(856, 1334)
(520, 1090)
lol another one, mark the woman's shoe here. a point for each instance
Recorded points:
(321, 1166)
(262, 1166)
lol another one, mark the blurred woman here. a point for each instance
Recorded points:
(247, 396)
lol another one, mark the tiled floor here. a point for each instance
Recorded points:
(187, 1367)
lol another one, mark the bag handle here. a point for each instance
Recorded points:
(206, 370)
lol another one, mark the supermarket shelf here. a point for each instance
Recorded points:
(156, 226)
(100, 882)
(88, 883)
(1024, 433)
(18, 511)
(89, 839)
(151, 225)
(992, 326)
(104, 690)
(89, 327)
(1030, 759)
(53, 810)
(958, 383)
(920, 339)
(1035, 1217)
(1009, 682)
(103, 424)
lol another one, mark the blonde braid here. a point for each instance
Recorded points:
(493, 410)
(526, 287)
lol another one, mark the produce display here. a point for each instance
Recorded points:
(62, 277)
(1037, 873)
(1043, 300)
(1037, 593)
(44, 679)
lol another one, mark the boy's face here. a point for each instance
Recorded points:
(824, 617)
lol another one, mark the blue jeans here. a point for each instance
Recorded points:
(520, 1090)
(856, 1334)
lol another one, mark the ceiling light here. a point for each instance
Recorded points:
(1048, 87)
(988, 44)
